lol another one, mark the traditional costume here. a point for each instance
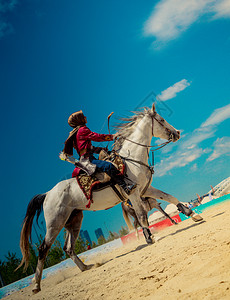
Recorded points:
(80, 139)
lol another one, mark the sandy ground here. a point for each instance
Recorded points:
(188, 261)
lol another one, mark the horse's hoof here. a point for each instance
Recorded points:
(88, 267)
(36, 290)
(196, 218)
(150, 240)
(174, 222)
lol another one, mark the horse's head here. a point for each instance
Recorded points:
(162, 129)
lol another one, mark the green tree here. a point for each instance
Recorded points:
(79, 246)
(33, 259)
(101, 240)
(2, 283)
(112, 236)
(56, 254)
(123, 231)
(94, 245)
(11, 262)
(7, 269)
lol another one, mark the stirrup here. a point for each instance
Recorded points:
(129, 189)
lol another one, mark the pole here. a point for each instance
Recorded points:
(213, 191)
(199, 198)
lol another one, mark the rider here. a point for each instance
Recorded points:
(80, 139)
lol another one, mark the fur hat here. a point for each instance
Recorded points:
(76, 119)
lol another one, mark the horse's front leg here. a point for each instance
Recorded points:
(158, 194)
(142, 217)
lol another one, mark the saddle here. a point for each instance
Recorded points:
(99, 181)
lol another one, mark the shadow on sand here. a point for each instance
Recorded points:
(140, 247)
(181, 230)
(137, 249)
(217, 215)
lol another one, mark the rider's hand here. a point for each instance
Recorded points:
(115, 136)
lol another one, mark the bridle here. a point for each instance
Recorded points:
(153, 116)
(158, 146)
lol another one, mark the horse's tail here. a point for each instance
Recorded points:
(126, 217)
(34, 207)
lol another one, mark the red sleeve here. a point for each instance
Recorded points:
(87, 134)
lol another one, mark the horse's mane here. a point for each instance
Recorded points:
(127, 125)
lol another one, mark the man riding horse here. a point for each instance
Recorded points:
(80, 139)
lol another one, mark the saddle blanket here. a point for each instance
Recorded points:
(90, 183)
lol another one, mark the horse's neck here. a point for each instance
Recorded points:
(141, 135)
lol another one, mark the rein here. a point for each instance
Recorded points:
(139, 162)
(159, 146)
(149, 146)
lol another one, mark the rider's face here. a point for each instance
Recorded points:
(85, 119)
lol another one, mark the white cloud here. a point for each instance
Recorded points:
(193, 168)
(6, 6)
(187, 149)
(198, 136)
(222, 9)
(176, 160)
(5, 29)
(170, 18)
(173, 90)
(219, 115)
(221, 147)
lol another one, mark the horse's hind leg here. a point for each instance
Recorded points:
(165, 213)
(73, 226)
(55, 220)
(51, 234)
(158, 194)
(43, 251)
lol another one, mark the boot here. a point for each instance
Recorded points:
(185, 210)
(127, 187)
(118, 178)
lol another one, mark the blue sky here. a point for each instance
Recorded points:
(58, 57)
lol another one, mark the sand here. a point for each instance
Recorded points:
(188, 261)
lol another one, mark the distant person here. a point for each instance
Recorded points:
(89, 246)
(190, 205)
(210, 196)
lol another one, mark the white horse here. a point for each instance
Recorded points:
(64, 204)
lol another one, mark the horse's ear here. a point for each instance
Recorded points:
(153, 107)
